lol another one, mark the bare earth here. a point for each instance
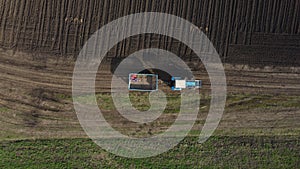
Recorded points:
(35, 99)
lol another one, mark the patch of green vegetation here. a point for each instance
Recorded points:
(10, 135)
(217, 152)
(173, 106)
(63, 96)
(246, 102)
(86, 99)
(140, 100)
(4, 109)
(105, 102)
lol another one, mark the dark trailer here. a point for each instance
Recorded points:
(143, 82)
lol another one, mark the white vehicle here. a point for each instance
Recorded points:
(177, 84)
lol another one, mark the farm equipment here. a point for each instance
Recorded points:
(143, 82)
(149, 82)
(177, 84)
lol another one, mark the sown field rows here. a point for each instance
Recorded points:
(62, 27)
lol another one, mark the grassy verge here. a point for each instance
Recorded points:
(217, 152)
(237, 102)
(228, 148)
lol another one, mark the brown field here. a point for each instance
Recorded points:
(35, 100)
(258, 43)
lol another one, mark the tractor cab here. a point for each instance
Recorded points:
(177, 84)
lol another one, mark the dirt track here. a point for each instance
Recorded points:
(35, 96)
